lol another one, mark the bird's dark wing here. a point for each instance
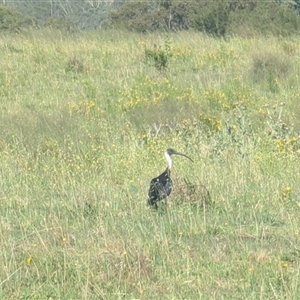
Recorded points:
(160, 187)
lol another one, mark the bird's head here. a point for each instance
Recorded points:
(171, 151)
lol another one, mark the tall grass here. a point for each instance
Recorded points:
(84, 122)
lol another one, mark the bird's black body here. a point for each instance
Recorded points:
(161, 186)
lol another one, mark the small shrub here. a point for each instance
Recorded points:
(9, 18)
(263, 62)
(75, 64)
(193, 194)
(270, 67)
(159, 56)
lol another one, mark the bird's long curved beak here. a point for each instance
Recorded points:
(178, 153)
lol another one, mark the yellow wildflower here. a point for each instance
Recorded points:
(28, 260)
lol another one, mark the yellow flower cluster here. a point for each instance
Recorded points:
(228, 100)
(153, 93)
(180, 52)
(211, 55)
(82, 107)
(212, 123)
(220, 57)
(286, 145)
(28, 260)
(286, 191)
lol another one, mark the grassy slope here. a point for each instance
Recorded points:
(84, 123)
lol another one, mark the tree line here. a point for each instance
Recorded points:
(218, 17)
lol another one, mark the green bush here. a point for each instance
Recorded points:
(12, 20)
(216, 20)
(129, 16)
(182, 15)
(264, 18)
(159, 56)
(9, 18)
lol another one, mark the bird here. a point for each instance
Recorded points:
(162, 185)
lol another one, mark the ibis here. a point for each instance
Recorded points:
(162, 185)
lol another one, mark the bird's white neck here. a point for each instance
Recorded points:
(169, 160)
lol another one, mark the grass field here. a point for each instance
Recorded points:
(85, 120)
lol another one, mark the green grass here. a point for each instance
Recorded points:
(85, 120)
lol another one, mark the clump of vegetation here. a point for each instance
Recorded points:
(270, 67)
(190, 193)
(12, 20)
(216, 20)
(76, 64)
(159, 56)
(9, 18)
(266, 64)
